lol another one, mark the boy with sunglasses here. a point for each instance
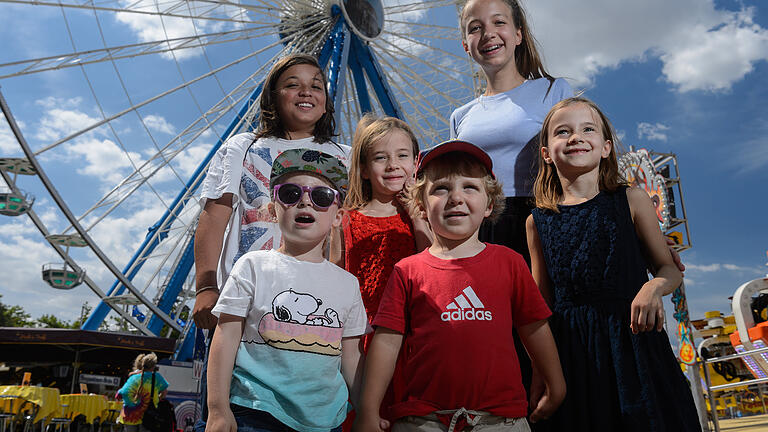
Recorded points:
(287, 343)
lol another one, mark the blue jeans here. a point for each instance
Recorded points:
(251, 420)
(203, 398)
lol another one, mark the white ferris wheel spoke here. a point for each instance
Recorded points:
(148, 10)
(66, 60)
(423, 72)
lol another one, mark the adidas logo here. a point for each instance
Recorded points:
(466, 306)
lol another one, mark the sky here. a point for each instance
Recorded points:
(684, 77)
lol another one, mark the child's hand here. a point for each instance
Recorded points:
(538, 389)
(675, 256)
(369, 423)
(545, 403)
(647, 309)
(221, 421)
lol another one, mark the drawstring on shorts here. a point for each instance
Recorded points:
(470, 417)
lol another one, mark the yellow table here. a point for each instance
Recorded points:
(112, 412)
(46, 398)
(116, 405)
(89, 405)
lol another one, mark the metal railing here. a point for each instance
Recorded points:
(712, 389)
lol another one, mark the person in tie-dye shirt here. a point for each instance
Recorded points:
(137, 390)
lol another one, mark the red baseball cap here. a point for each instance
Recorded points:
(428, 155)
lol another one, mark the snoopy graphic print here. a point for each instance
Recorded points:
(295, 325)
(296, 314)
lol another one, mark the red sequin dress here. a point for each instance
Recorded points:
(372, 247)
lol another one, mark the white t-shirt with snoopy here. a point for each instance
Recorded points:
(289, 360)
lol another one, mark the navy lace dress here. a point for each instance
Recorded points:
(616, 381)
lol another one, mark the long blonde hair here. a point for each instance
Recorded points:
(370, 129)
(138, 361)
(547, 188)
(149, 362)
(527, 58)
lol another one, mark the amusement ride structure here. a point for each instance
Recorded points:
(384, 57)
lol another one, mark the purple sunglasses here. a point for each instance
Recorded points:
(289, 194)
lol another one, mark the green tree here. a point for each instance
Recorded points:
(85, 312)
(50, 321)
(13, 316)
(120, 324)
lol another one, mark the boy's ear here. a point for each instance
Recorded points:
(606, 149)
(271, 210)
(489, 210)
(338, 218)
(423, 213)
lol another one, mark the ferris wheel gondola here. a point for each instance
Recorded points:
(387, 57)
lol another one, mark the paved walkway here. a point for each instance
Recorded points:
(744, 424)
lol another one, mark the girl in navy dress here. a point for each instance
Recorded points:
(591, 240)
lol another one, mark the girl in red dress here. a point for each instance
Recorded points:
(377, 231)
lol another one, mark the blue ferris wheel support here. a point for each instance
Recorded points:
(342, 49)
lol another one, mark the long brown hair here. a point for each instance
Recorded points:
(370, 129)
(527, 59)
(547, 188)
(269, 119)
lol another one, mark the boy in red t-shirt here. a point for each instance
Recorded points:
(452, 308)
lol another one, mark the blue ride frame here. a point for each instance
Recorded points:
(342, 48)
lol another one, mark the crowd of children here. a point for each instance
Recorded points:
(413, 286)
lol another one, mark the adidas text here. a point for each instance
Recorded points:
(466, 315)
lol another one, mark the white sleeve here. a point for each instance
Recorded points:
(237, 295)
(357, 320)
(561, 90)
(453, 132)
(225, 169)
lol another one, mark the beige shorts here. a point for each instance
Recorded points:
(477, 421)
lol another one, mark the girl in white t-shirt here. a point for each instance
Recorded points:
(295, 112)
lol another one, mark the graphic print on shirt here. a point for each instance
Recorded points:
(293, 325)
(466, 307)
(257, 227)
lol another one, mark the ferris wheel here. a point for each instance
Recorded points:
(166, 84)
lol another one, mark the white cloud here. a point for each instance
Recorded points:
(703, 268)
(719, 267)
(393, 29)
(751, 156)
(701, 47)
(187, 161)
(159, 124)
(61, 117)
(23, 253)
(715, 58)
(150, 28)
(734, 267)
(652, 132)
(8, 143)
(102, 159)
